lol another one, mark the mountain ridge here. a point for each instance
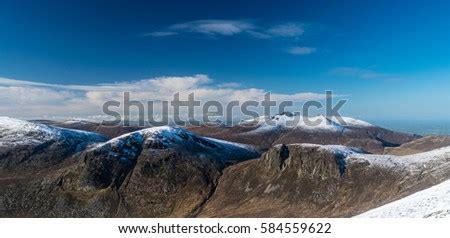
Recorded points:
(174, 172)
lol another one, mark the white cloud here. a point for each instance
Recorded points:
(287, 30)
(229, 85)
(160, 33)
(214, 27)
(233, 27)
(30, 99)
(301, 50)
(259, 35)
(357, 73)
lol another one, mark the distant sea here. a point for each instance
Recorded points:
(421, 127)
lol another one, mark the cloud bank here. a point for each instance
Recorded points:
(27, 99)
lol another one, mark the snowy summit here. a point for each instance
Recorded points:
(15, 132)
(316, 123)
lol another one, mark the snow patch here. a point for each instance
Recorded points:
(76, 122)
(224, 142)
(355, 122)
(409, 162)
(432, 202)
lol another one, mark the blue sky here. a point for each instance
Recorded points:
(390, 58)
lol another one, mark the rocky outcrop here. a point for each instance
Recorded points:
(302, 180)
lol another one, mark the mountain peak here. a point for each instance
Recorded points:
(26, 144)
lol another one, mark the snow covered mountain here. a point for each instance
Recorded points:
(107, 130)
(18, 132)
(316, 123)
(286, 128)
(175, 172)
(178, 139)
(433, 202)
(115, 158)
(24, 143)
(264, 132)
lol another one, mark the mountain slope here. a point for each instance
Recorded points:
(432, 202)
(109, 131)
(305, 180)
(27, 145)
(420, 145)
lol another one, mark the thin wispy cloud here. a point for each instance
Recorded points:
(228, 28)
(231, 28)
(356, 72)
(301, 50)
(287, 30)
(214, 27)
(46, 100)
(160, 33)
(259, 35)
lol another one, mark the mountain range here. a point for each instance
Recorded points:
(267, 167)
